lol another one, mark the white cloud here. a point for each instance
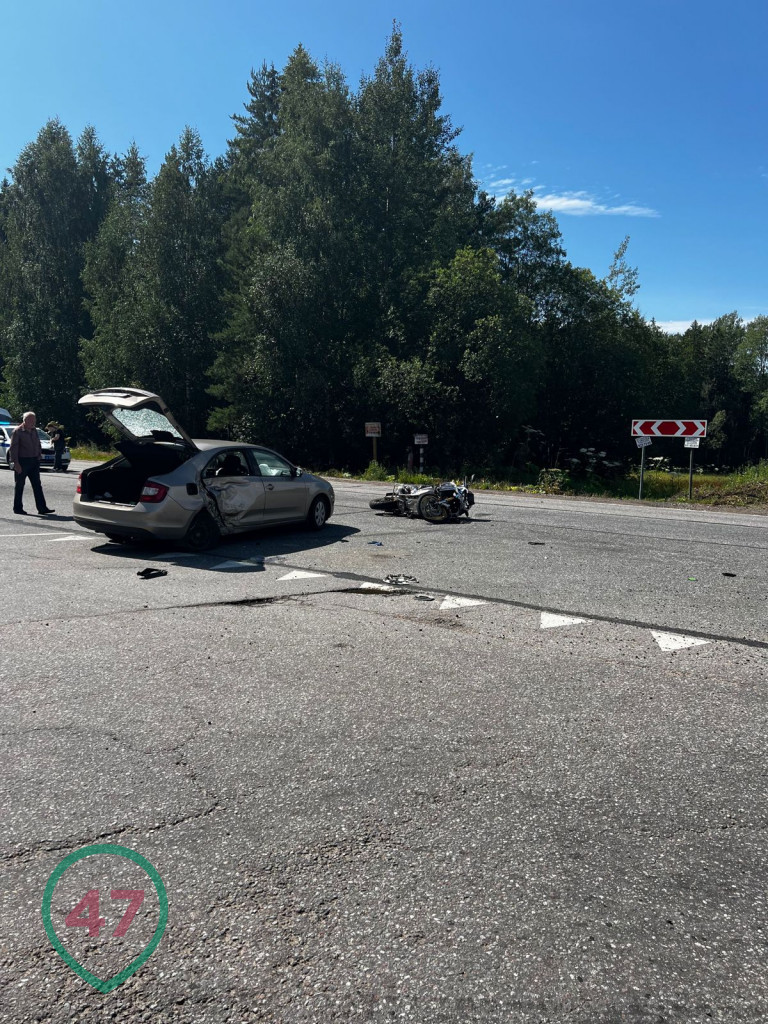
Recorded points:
(581, 204)
(572, 204)
(678, 326)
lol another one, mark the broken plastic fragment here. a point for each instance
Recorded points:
(732, 574)
(400, 580)
(151, 572)
(378, 543)
(536, 543)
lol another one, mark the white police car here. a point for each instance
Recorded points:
(6, 429)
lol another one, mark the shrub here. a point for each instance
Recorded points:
(376, 471)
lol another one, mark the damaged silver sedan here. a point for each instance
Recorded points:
(165, 485)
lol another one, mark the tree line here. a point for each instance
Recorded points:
(339, 264)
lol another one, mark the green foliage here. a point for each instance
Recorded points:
(375, 471)
(49, 211)
(339, 265)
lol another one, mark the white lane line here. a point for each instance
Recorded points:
(550, 621)
(676, 642)
(233, 563)
(172, 558)
(300, 574)
(381, 588)
(37, 533)
(59, 540)
(459, 602)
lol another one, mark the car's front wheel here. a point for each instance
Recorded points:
(203, 533)
(318, 513)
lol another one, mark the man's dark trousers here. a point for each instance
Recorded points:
(29, 468)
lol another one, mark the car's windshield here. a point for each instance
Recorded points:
(42, 435)
(145, 422)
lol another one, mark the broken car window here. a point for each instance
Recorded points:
(144, 422)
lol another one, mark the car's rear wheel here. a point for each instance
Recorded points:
(318, 513)
(203, 533)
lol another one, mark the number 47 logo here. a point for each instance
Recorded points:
(78, 918)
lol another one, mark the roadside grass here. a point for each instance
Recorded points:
(91, 453)
(744, 488)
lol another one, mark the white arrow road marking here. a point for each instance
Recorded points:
(549, 621)
(59, 540)
(674, 641)
(458, 602)
(300, 574)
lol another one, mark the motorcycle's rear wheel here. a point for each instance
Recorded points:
(429, 508)
(388, 504)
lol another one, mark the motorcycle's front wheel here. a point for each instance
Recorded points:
(429, 508)
(388, 504)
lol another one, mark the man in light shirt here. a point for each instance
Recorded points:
(26, 455)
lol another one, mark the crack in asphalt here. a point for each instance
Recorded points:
(77, 842)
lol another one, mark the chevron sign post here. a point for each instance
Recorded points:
(669, 428)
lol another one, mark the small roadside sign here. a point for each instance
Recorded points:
(373, 430)
(692, 442)
(643, 442)
(421, 439)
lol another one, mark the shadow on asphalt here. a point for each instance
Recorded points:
(237, 553)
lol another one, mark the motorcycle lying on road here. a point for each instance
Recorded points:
(436, 504)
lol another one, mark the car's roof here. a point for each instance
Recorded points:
(207, 443)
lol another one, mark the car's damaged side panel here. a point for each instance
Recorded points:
(234, 503)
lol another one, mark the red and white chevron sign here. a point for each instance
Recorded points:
(669, 428)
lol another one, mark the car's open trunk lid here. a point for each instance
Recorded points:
(141, 416)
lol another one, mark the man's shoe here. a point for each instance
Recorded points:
(46, 511)
(20, 512)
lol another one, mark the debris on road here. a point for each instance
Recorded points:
(378, 543)
(400, 580)
(423, 597)
(732, 574)
(151, 573)
(537, 543)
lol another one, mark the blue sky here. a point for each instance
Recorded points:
(644, 119)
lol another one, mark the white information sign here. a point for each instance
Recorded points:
(642, 442)
(373, 430)
(692, 442)
(421, 439)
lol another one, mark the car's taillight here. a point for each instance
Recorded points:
(153, 492)
(78, 489)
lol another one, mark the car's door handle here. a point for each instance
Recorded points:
(270, 487)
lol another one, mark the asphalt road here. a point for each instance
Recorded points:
(440, 802)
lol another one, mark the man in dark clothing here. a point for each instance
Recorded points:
(59, 444)
(26, 455)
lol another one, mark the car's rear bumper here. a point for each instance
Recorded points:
(167, 521)
(116, 531)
